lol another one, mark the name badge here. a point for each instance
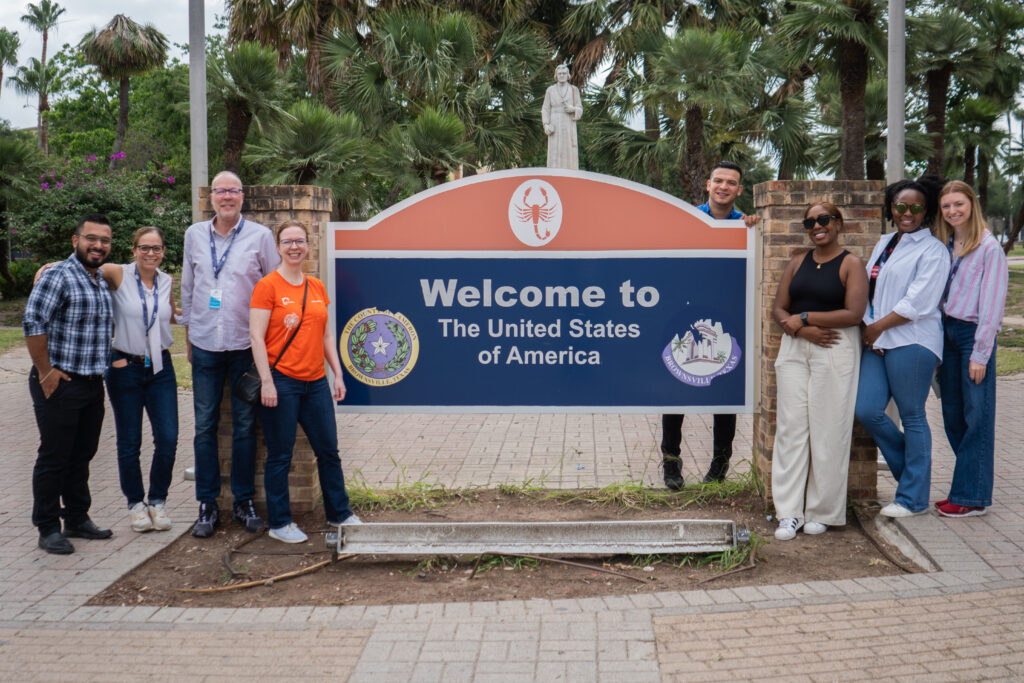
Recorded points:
(147, 363)
(215, 297)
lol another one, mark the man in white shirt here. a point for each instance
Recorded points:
(223, 260)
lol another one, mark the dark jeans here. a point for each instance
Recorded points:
(209, 370)
(69, 431)
(672, 434)
(311, 405)
(969, 416)
(132, 389)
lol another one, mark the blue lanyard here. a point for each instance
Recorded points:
(952, 273)
(218, 265)
(147, 321)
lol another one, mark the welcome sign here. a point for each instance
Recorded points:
(544, 290)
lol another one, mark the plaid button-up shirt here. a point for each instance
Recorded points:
(72, 308)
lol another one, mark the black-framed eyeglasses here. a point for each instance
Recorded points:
(221, 191)
(903, 207)
(150, 248)
(822, 220)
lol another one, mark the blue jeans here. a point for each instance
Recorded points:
(132, 389)
(969, 415)
(903, 374)
(209, 370)
(311, 405)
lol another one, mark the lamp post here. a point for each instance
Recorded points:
(197, 99)
(896, 119)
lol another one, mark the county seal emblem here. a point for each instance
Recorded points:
(379, 348)
(704, 352)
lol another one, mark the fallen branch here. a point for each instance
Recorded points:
(264, 582)
(749, 565)
(566, 562)
(227, 554)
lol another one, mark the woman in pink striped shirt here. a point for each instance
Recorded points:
(972, 307)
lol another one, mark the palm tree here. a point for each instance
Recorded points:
(121, 50)
(36, 79)
(315, 146)
(42, 17)
(20, 165)
(9, 44)
(248, 89)
(263, 22)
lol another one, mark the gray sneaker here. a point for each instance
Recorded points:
(352, 519)
(289, 533)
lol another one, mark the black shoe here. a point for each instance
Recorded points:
(719, 467)
(245, 514)
(209, 518)
(56, 544)
(673, 467)
(86, 529)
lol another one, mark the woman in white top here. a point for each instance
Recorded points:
(141, 375)
(903, 338)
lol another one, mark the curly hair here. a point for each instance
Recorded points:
(929, 187)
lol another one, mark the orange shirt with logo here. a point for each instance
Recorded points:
(304, 359)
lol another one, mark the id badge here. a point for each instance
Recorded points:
(215, 296)
(147, 363)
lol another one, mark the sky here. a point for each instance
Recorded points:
(81, 16)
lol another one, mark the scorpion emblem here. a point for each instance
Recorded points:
(536, 212)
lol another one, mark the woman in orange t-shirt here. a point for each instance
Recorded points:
(296, 391)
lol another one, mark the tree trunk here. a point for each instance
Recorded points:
(5, 272)
(983, 168)
(1018, 223)
(652, 129)
(44, 130)
(853, 80)
(969, 152)
(122, 121)
(238, 122)
(692, 172)
(876, 168)
(937, 82)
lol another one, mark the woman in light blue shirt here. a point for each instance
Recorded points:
(903, 338)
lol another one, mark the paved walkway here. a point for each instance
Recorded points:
(964, 622)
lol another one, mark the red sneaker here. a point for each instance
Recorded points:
(947, 509)
(944, 501)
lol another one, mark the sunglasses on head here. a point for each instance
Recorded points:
(821, 220)
(903, 207)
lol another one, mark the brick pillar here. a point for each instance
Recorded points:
(269, 205)
(781, 205)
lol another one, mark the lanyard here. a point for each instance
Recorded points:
(147, 321)
(952, 274)
(218, 265)
(877, 269)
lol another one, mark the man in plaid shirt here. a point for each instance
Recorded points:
(68, 323)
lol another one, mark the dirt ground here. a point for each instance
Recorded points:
(384, 580)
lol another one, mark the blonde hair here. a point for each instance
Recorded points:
(976, 224)
(141, 232)
(290, 223)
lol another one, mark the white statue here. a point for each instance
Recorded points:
(562, 109)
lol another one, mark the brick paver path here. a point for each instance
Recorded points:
(965, 622)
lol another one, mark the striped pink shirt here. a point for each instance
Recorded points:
(978, 294)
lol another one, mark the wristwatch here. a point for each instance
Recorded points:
(803, 318)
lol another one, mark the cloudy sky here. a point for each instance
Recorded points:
(80, 16)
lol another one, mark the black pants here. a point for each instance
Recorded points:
(69, 431)
(672, 433)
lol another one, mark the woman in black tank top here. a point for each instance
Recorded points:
(819, 305)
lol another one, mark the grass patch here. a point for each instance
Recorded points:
(11, 311)
(10, 339)
(1009, 362)
(733, 558)
(490, 562)
(1015, 292)
(406, 496)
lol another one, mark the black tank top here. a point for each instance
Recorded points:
(817, 286)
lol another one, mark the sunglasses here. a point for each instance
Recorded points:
(822, 220)
(902, 207)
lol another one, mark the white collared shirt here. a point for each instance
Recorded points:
(253, 255)
(910, 284)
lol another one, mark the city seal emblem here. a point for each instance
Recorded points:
(703, 353)
(535, 213)
(379, 348)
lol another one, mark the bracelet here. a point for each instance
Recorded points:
(52, 370)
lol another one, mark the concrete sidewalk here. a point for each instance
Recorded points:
(965, 622)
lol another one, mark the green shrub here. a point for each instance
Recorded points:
(129, 199)
(22, 274)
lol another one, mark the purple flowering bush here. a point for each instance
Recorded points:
(129, 199)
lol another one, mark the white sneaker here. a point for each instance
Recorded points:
(352, 519)
(896, 510)
(290, 533)
(814, 528)
(157, 513)
(140, 518)
(788, 526)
